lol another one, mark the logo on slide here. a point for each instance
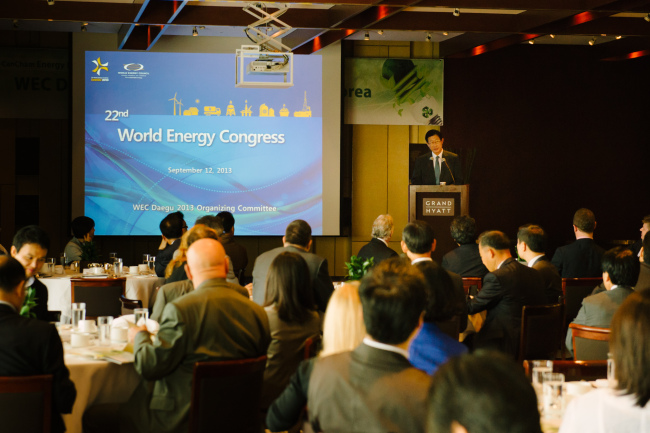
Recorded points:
(133, 67)
(99, 66)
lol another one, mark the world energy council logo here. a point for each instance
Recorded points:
(133, 71)
(99, 67)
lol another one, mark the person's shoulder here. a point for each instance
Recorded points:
(447, 154)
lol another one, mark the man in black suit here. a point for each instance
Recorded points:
(439, 166)
(236, 251)
(531, 244)
(645, 228)
(374, 388)
(297, 239)
(30, 247)
(418, 242)
(580, 259)
(172, 228)
(506, 289)
(377, 248)
(643, 282)
(464, 260)
(31, 346)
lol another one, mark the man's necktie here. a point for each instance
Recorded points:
(436, 169)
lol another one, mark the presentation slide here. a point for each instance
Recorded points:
(167, 132)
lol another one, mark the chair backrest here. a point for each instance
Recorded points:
(312, 346)
(226, 396)
(589, 342)
(128, 305)
(473, 283)
(576, 370)
(26, 403)
(574, 291)
(102, 297)
(541, 331)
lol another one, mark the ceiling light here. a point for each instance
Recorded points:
(445, 33)
(83, 27)
(195, 32)
(619, 37)
(380, 32)
(367, 36)
(592, 41)
(457, 12)
(531, 41)
(552, 36)
(428, 38)
(50, 2)
(647, 17)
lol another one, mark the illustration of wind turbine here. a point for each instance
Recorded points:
(180, 107)
(175, 102)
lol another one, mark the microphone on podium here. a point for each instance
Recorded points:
(452, 174)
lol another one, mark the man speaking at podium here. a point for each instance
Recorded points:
(438, 167)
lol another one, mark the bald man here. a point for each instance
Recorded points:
(213, 322)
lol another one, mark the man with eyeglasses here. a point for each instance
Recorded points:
(439, 167)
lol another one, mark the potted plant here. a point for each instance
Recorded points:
(358, 266)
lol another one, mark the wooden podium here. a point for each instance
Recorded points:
(439, 205)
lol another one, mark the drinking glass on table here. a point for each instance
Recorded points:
(145, 258)
(140, 316)
(118, 266)
(50, 262)
(539, 368)
(112, 257)
(104, 325)
(611, 371)
(152, 264)
(63, 259)
(78, 313)
(553, 395)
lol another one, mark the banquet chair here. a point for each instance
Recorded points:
(128, 305)
(589, 342)
(312, 346)
(576, 370)
(574, 291)
(226, 396)
(26, 403)
(102, 297)
(472, 283)
(541, 331)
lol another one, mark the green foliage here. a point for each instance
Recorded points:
(358, 266)
(89, 252)
(29, 304)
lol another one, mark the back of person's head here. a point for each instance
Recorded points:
(646, 249)
(228, 220)
(382, 227)
(585, 220)
(463, 230)
(343, 328)
(533, 236)
(206, 259)
(483, 392)
(630, 345)
(418, 237)
(494, 239)
(298, 233)
(12, 273)
(443, 302)
(199, 231)
(431, 133)
(214, 222)
(288, 287)
(393, 295)
(81, 226)
(622, 266)
(31, 235)
(172, 225)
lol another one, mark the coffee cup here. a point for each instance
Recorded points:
(87, 326)
(133, 270)
(79, 340)
(119, 333)
(144, 269)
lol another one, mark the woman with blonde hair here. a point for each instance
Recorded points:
(343, 330)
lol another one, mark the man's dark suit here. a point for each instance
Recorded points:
(424, 174)
(236, 251)
(165, 256)
(581, 259)
(213, 322)
(41, 300)
(320, 277)
(367, 390)
(465, 261)
(31, 347)
(504, 293)
(644, 277)
(551, 277)
(376, 249)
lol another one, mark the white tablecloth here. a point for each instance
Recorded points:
(97, 382)
(60, 296)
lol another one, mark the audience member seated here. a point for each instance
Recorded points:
(624, 408)
(170, 291)
(236, 251)
(645, 227)
(83, 231)
(374, 388)
(418, 242)
(343, 330)
(212, 323)
(643, 282)
(377, 248)
(292, 318)
(506, 289)
(482, 393)
(531, 244)
(30, 247)
(431, 347)
(172, 228)
(464, 260)
(297, 239)
(620, 271)
(581, 259)
(175, 270)
(30, 346)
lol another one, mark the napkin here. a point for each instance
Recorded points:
(124, 321)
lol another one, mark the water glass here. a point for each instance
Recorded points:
(78, 313)
(152, 264)
(611, 371)
(104, 325)
(118, 266)
(112, 257)
(50, 262)
(539, 368)
(553, 395)
(63, 259)
(140, 316)
(145, 258)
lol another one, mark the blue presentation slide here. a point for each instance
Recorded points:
(169, 132)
